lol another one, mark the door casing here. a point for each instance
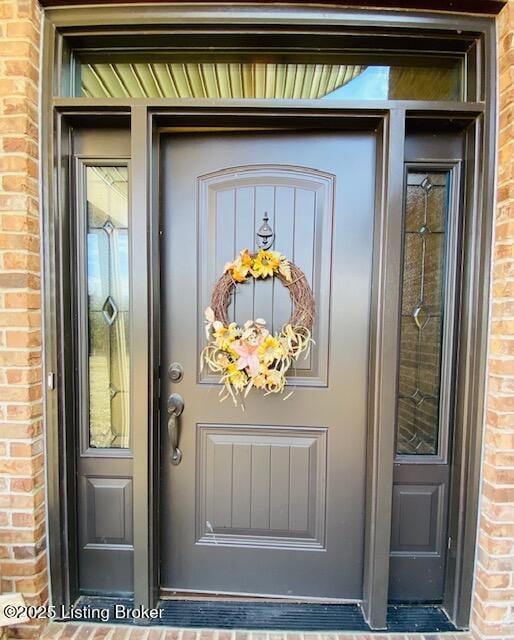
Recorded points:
(146, 118)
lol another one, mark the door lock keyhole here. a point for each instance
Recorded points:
(175, 372)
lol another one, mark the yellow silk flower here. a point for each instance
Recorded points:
(266, 263)
(270, 349)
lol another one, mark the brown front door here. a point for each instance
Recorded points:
(270, 500)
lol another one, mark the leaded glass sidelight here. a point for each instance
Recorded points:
(107, 265)
(425, 232)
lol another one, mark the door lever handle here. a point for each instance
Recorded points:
(175, 408)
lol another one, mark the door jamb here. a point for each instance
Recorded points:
(383, 372)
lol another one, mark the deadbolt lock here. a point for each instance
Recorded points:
(175, 372)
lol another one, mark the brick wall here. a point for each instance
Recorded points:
(493, 614)
(22, 526)
(22, 533)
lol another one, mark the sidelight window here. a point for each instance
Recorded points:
(422, 312)
(106, 268)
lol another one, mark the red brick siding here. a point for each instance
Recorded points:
(493, 607)
(22, 496)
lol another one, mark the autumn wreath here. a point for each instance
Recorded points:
(251, 356)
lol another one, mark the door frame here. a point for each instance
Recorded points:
(144, 118)
(389, 131)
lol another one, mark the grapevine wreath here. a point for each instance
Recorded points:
(251, 356)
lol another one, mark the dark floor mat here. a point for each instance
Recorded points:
(277, 616)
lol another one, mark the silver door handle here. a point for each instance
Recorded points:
(175, 408)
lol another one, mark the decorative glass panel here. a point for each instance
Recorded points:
(434, 78)
(107, 267)
(425, 229)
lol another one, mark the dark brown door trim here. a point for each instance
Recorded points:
(382, 391)
(62, 114)
(383, 367)
(458, 6)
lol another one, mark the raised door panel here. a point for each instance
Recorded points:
(418, 533)
(299, 203)
(106, 528)
(261, 486)
(417, 515)
(109, 516)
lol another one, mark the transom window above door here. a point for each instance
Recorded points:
(272, 76)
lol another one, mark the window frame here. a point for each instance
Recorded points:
(82, 334)
(286, 55)
(450, 308)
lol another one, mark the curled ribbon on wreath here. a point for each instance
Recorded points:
(251, 356)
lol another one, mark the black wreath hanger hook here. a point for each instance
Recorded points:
(265, 234)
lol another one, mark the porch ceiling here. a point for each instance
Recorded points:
(215, 80)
